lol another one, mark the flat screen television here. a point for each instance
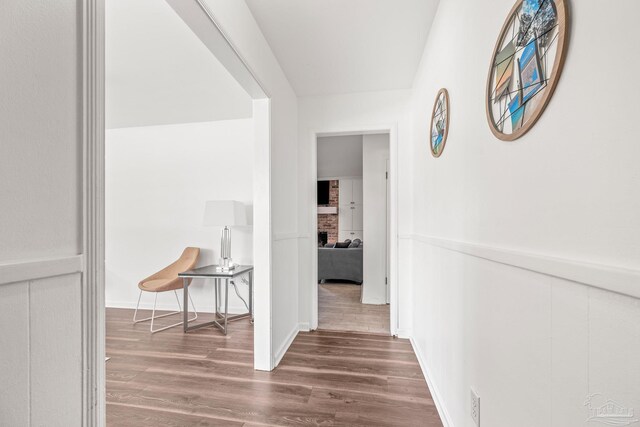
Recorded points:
(323, 192)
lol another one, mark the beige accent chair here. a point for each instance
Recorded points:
(167, 280)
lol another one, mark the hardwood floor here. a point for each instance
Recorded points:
(206, 379)
(340, 309)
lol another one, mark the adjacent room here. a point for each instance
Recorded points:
(353, 208)
(180, 132)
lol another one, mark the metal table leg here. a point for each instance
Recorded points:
(185, 318)
(226, 305)
(215, 298)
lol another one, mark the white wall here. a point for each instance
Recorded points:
(339, 157)
(159, 72)
(158, 179)
(40, 214)
(533, 346)
(238, 24)
(351, 113)
(375, 150)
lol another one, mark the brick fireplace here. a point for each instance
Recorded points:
(329, 222)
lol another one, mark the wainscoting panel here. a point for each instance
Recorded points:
(499, 322)
(284, 297)
(14, 361)
(56, 350)
(40, 345)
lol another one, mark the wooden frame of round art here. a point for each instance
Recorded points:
(444, 92)
(562, 9)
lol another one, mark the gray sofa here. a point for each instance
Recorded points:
(340, 263)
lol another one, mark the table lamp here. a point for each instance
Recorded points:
(225, 213)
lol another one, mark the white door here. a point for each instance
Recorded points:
(345, 218)
(345, 187)
(356, 192)
(356, 222)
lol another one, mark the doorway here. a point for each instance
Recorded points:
(253, 132)
(352, 256)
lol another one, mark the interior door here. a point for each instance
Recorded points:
(346, 192)
(356, 221)
(345, 218)
(356, 191)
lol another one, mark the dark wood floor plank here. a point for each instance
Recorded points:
(204, 378)
(361, 366)
(123, 415)
(348, 352)
(265, 410)
(340, 309)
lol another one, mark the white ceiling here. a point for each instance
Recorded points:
(159, 72)
(342, 46)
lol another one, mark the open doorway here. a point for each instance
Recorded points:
(353, 229)
(182, 131)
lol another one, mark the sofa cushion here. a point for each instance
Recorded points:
(340, 264)
(342, 245)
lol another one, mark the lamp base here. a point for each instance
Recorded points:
(226, 264)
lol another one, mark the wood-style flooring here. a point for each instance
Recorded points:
(206, 379)
(340, 309)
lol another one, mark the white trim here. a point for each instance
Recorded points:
(610, 278)
(262, 237)
(337, 178)
(392, 130)
(304, 327)
(285, 346)
(433, 389)
(93, 221)
(23, 271)
(404, 333)
(356, 130)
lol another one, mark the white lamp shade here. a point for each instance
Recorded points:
(225, 212)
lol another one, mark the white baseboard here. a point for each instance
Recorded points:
(285, 346)
(168, 307)
(374, 302)
(435, 394)
(404, 333)
(304, 327)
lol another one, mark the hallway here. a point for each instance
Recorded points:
(340, 309)
(205, 378)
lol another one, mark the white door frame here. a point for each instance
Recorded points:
(392, 130)
(93, 310)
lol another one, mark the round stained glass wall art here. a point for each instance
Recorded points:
(439, 123)
(526, 65)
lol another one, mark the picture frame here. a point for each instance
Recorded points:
(440, 117)
(539, 31)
